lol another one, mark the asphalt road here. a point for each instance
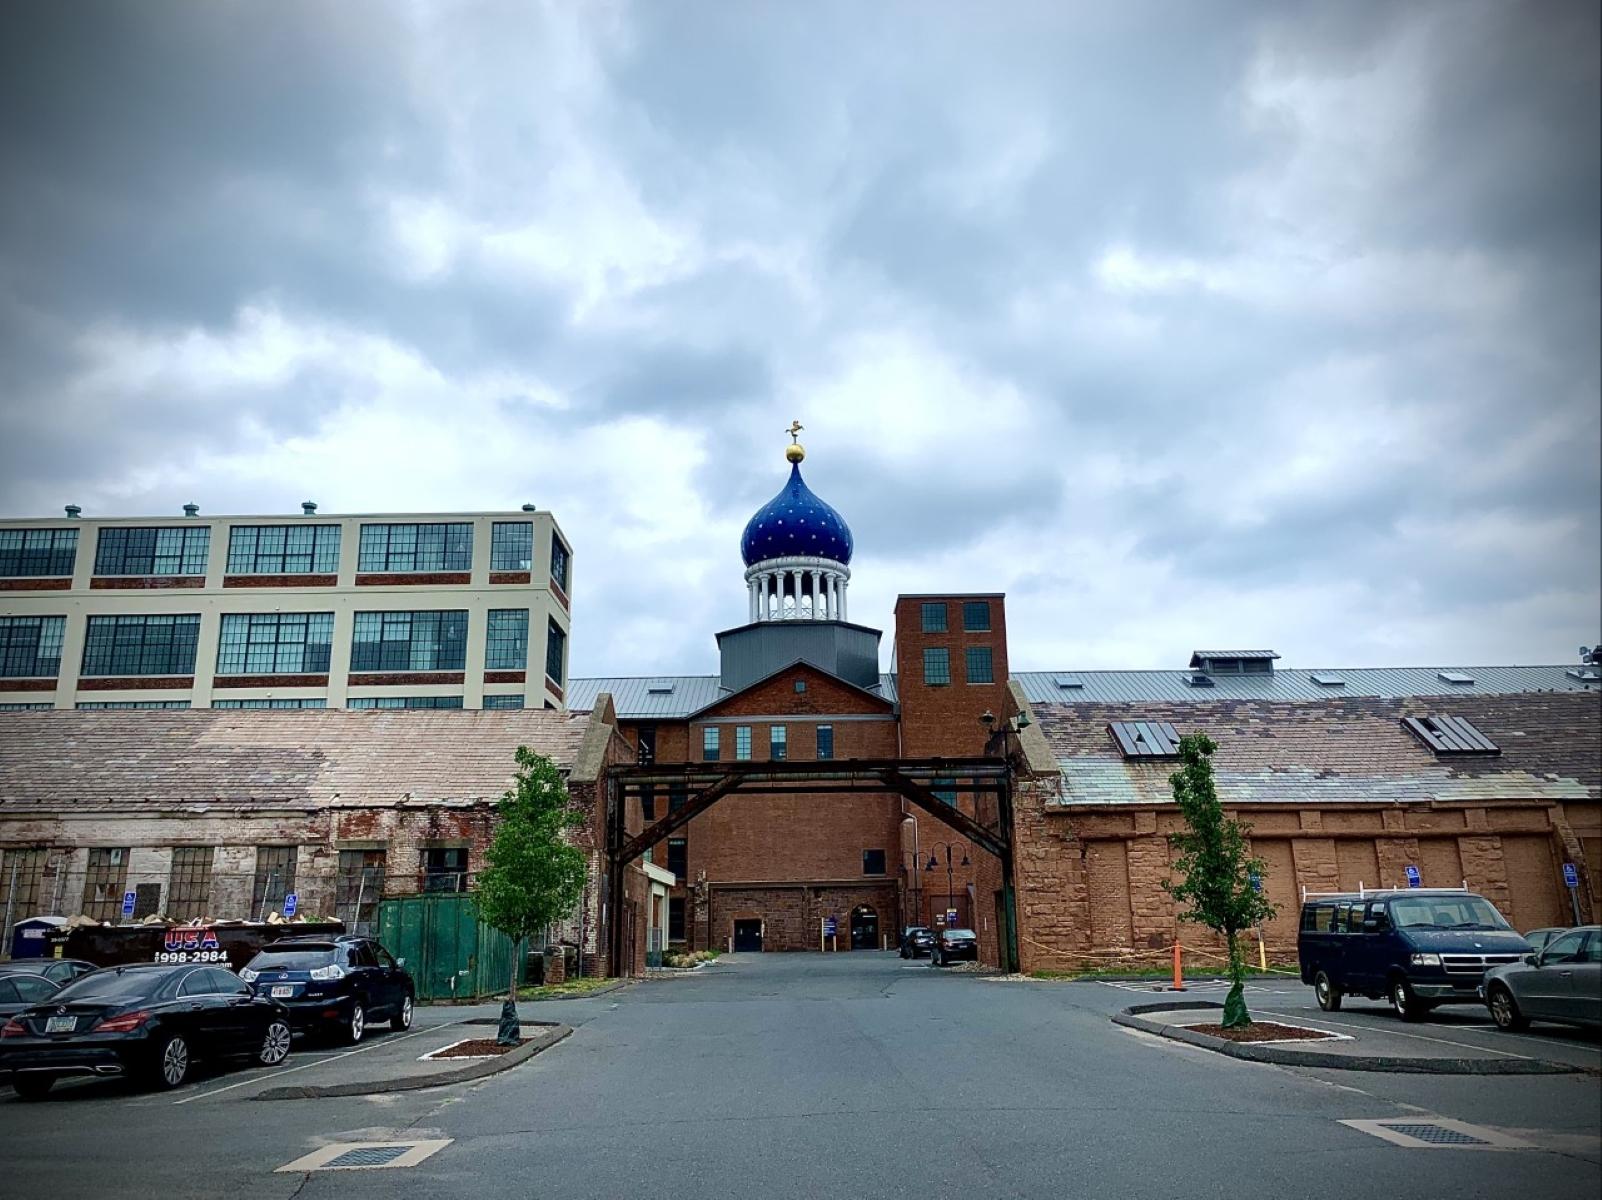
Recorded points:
(851, 1075)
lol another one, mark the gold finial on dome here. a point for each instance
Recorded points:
(795, 451)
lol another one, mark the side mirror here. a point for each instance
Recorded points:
(1532, 960)
(1371, 925)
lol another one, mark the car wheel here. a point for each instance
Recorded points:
(402, 1020)
(274, 1045)
(172, 1061)
(356, 1026)
(1329, 996)
(32, 1086)
(1407, 1006)
(1505, 1010)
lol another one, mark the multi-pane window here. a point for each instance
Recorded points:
(319, 702)
(92, 704)
(558, 562)
(710, 749)
(678, 796)
(189, 887)
(778, 742)
(445, 869)
(514, 701)
(936, 665)
(275, 879)
(439, 547)
(104, 882)
(506, 647)
(13, 706)
(283, 550)
(742, 742)
(646, 739)
(30, 647)
(678, 857)
(975, 616)
(175, 551)
(675, 918)
(648, 801)
(979, 664)
(934, 617)
(873, 862)
(359, 888)
(555, 652)
(404, 702)
(275, 643)
(148, 645)
(21, 888)
(512, 546)
(825, 742)
(409, 641)
(38, 551)
(945, 789)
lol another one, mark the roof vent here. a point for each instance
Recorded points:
(191, 510)
(1199, 680)
(530, 508)
(1068, 681)
(1585, 674)
(1324, 679)
(1233, 662)
(74, 511)
(308, 508)
(659, 687)
(1456, 677)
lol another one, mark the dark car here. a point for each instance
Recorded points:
(1416, 947)
(1561, 983)
(151, 1022)
(56, 970)
(20, 990)
(916, 941)
(340, 984)
(953, 945)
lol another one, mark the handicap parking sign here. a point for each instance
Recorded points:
(1571, 877)
(290, 901)
(1256, 880)
(1413, 879)
(128, 899)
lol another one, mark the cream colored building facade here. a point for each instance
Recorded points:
(465, 610)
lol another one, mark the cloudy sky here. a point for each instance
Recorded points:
(1184, 324)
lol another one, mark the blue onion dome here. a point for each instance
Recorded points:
(795, 523)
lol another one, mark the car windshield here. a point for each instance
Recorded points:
(961, 935)
(1446, 912)
(297, 958)
(106, 985)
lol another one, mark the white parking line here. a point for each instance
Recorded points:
(388, 1041)
(1398, 1033)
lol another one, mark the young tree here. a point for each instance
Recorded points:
(535, 875)
(1215, 874)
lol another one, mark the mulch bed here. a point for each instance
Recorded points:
(474, 1048)
(1260, 1031)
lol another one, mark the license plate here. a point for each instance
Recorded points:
(61, 1024)
(283, 991)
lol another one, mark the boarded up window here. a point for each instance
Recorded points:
(1356, 863)
(1279, 885)
(1439, 862)
(1534, 881)
(1107, 864)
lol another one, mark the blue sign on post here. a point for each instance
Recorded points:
(290, 901)
(830, 926)
(1257, 881)
(1571, 877)
(951, 916)
(1413, 879)
(128, 899)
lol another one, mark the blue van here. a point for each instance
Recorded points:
(1416, 947)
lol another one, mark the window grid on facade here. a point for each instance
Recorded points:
(873, 862)
(975, 616)
(555, 652)
(675, 918)
(648, 801)
(275, 643)
(825, 742)
(30, 647)
(936, 665)
(742, 743)
(152, 551)
(978, 663)
(504, 701)
(409, 641)
(283, 550)
(95, 704)
(38, 552)
(21, 887)
(445, 869)
(710, 747)
(189, 886)
(275, 879)
(404, 702)
(778, 742)
(359, 888)
(678, 857)
(14, 706)
(934, 617)
(103, 883)
(145, 645)
(559, 558)
(512, 546)
(308, 703)
(431, 547)
(506, 646)
(944, 790)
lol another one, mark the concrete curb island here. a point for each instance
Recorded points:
(1132, 1018)
(475, 1069)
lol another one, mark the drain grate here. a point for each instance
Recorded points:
(367, 1156)
(1435, 1135)
(1438, 1133)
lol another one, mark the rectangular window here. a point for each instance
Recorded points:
(646, 738)
(825, 742)
(38, 552)
(189, 886)
(742, 743)
(404, 702)
(873, 862)
(21, 887)
(104, 883)
(979, 664)
(406, 548)
(559, 557)
(172, 551)
(506, 648)
(678, 856)
(678, 796)
(675, 918)
(13, 706)
(275, 643)
(648, 801)
(409, 641)
(153, 645)
(504, 702)
(275, 879)
(359, 888)
(945, 790)
(512, 546)
(555, 652)
(710, 749)
(309, 703)
(975, 616)
(936, 666)
(30, 647)
(445, 870)
(778, 742)
(96, 704)
(934, 617)
(283, 550)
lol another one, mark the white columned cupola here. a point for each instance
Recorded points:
(802, 546)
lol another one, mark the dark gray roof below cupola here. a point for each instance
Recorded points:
(752, 652)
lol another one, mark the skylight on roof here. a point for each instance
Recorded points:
(1454, 677)
(660, 687)
(1450, 735)
(1068, 681)
(1325, 679)
(1145, 739)
(1199, 680)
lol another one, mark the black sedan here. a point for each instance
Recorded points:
(916, 941)
(340, 984)
(149, 1021)
(953, 945)
(20, 990)
(56, 970)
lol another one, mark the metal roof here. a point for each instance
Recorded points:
(640, 697)
(1292, 683)
(1197, 655)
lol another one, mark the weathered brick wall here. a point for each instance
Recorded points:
(792, 915)
(943, 720)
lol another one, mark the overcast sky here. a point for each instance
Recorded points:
(1183, 324)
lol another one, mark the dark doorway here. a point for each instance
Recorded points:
(748, 936)
(864, 928)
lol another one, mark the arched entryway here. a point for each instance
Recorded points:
(864, 928)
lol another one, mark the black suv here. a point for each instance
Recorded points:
(341, 983)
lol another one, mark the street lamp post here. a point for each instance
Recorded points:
(950, 883)
(913, 877)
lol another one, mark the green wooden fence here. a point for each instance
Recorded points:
(450, 953)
